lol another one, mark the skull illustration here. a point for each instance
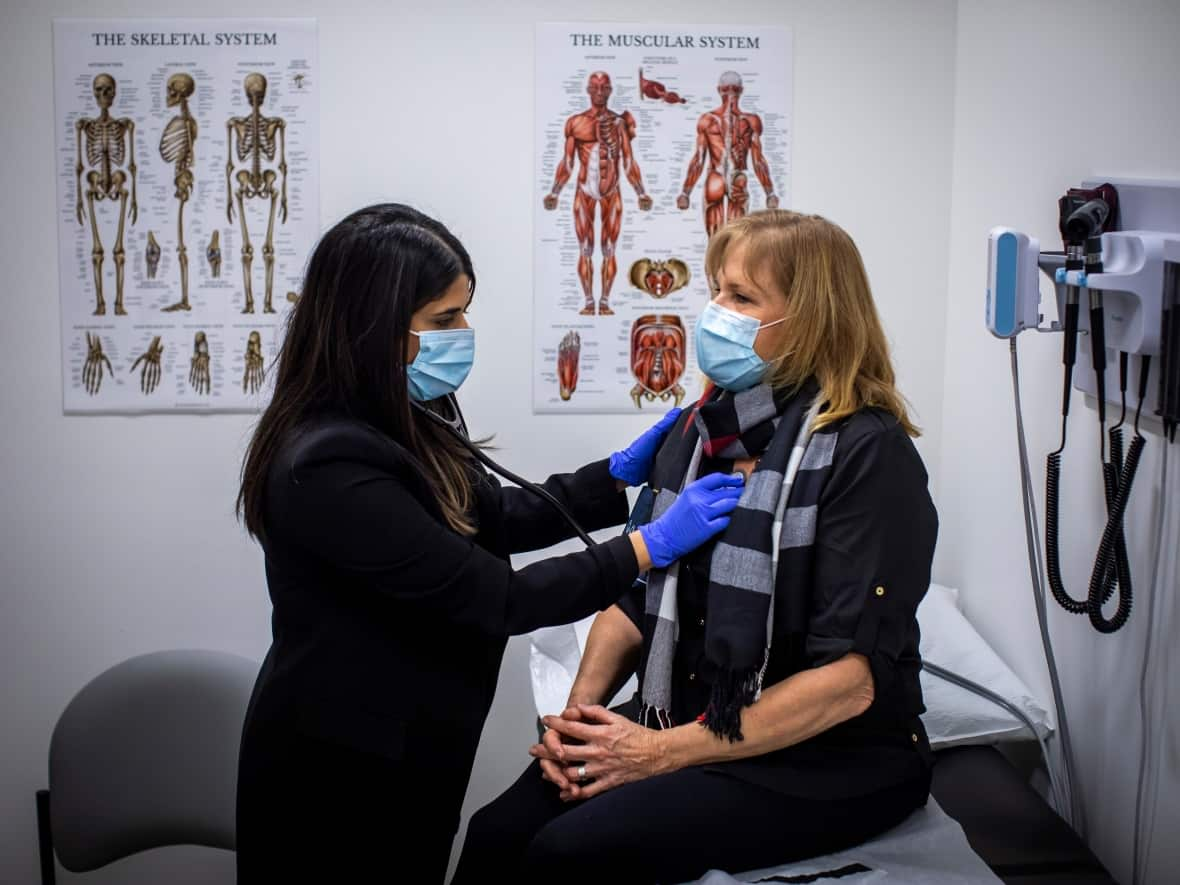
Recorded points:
(104, 90)
(729, 84)
(180, 87)
(255, 88)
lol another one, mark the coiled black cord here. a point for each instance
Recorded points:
(1106, 550)
(1112, 569)
(1052, 552)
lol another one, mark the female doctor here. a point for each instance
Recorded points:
(387, 562)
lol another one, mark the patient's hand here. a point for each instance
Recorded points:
(553, 751)
(612, 751)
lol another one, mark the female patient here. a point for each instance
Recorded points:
(387, 563)
(777, 714)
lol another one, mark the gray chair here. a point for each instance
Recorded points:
(145, 755)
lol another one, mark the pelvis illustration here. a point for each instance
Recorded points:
(659, 278)
(657, 358)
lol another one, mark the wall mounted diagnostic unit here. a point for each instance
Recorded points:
(1117, 286)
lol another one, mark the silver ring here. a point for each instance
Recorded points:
(581, 772)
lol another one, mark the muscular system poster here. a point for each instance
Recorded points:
(649, 137)
(187, 201)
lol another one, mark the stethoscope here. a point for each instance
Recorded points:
(507, 474)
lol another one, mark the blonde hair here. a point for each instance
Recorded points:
(832, 330)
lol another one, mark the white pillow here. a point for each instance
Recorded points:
(554, 655)
(953, 715)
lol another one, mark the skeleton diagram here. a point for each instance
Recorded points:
(151, 255)
(149, 376)
(110, 146)
(257, 138)
(177, 146)
(600, 139)
(92, 369)
(213, 254)
(252, 378)
(568, 353)
(659, 278)
(657, 358)
(726, 138)
(198, 374)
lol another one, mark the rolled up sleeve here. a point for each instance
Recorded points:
(875, 540)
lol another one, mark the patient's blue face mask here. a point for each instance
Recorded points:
(725, 347)
(443, 362)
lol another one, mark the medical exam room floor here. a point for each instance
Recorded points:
(1007, 824)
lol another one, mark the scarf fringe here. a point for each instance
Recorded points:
(663, 717)
(732, 690)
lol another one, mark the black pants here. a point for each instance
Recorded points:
(310, 811)
(665, 829)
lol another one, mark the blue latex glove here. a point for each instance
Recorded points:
(633, 464)
(701, 511)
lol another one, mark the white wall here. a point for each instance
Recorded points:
(118, 535)
(1015, 153)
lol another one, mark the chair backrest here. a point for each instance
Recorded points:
(145, 755)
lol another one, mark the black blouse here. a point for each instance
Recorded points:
(389, 627)
(875, 536)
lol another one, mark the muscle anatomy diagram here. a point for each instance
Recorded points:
(649, 137)
(656, 90)
(729, 140)
(598, 147)
(657, 358)
(569, 352)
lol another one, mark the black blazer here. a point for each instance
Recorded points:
(388, 632)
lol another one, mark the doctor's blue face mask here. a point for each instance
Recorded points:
(444, 361)
(725, 347)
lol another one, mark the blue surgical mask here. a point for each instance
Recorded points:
(725, 347)
(443, 362)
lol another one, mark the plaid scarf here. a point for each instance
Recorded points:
(764, 557)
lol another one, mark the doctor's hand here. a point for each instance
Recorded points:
(701, 511)
(611, 751)
(633, 464)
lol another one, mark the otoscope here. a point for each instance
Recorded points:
(1084, 215)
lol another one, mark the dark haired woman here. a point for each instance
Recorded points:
(387, 562)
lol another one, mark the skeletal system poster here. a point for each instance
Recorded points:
(649, 137)
(187, 157)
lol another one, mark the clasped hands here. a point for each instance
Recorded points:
(588, 750)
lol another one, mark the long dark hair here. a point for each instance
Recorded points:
(345, 345)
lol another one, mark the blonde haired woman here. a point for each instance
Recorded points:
(778, 711)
